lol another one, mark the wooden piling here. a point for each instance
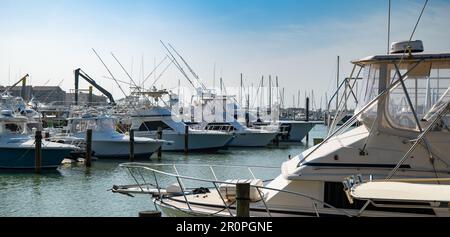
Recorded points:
(186, 139)
(243, 199)
(131, 145)
(90, 96)
(159, 137)
(307, 117)
(150, 214)
(38, 152)
(277, 140)
(88, 148)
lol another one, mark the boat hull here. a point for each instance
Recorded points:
(24, 158)
(197, 141)
(121, 149)
(255, 139)
(297, 131)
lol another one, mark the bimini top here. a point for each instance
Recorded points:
(401, 191)
(398, 57)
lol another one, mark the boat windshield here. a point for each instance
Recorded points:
(368, 90)
(97, 125)
(426, 86)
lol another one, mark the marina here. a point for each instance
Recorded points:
(128, 138)
(74, 191)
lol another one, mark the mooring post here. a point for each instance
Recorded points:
(90, 96)
(150, 214)
(186, 139)
(159, 137)
(307, 117)
(243, 199)
(131, 145)
(38, 152)
(88, 148)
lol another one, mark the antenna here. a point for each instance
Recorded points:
(110, 73)
(178, 65)
(214, 76)
(117, 60)
(189, 67)
(162, 73)
(389, 27)
(148, 76)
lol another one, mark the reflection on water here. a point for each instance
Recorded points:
(73, 190)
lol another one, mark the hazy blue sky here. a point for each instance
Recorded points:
(296, 40)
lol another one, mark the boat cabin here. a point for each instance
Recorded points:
(96, 123)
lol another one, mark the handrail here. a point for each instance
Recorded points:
(198, 165)
(178, 177)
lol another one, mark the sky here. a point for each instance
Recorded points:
(296, 40)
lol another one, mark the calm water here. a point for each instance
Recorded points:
(73, 190)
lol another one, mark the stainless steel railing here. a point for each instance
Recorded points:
(139, 167)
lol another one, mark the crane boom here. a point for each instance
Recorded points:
(24, 82)
(78, 73)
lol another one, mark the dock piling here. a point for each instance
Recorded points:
(88, 148)
(243, 199)
(307, 117)
(159, 137)
(38, 152)
(150, 214)
(131, 145)
(186, 139)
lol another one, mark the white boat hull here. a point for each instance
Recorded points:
(196, 141)
(253, 139)
(121, 149)
(298, 130)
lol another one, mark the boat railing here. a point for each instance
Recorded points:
(261, 190)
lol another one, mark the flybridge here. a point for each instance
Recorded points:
(405, 51)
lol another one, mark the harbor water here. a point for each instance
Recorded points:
(74, 191)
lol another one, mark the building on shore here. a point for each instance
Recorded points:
(83, 98)
(53, 94)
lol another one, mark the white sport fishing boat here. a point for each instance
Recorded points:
(106, 141)
(404, 133)
(147, 121)
(243, 136)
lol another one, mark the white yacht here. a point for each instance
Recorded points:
(243, 136)
(290, 131)
(146, 122)
(225, 121)
(404, 133)
(106, 141)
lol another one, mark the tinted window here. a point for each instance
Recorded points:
(153, 126)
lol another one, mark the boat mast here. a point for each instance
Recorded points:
(337, 86)
(389, 27)
(269, 111)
